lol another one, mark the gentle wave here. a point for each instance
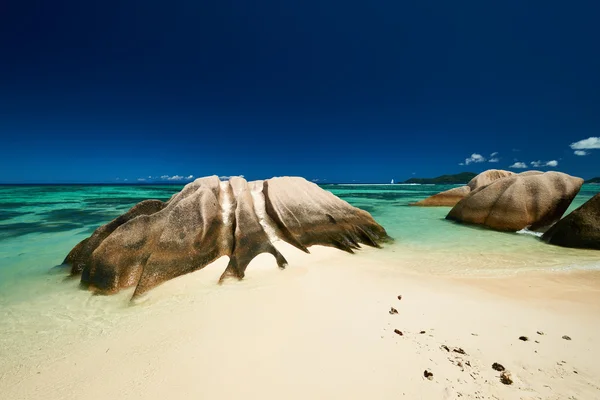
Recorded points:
(532, 233)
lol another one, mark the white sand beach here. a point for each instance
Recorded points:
(321, 329)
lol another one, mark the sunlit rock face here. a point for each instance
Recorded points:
(450, 198)
(532, 199)
(156, 241)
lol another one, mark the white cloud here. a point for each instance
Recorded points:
(494, 157)
(175, 177)
(227, 177)
(587, 144)
(581, 153)
(142, 179)
(518, 164)
(475, 158)
(552, 163)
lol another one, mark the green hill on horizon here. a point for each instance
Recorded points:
(463, 177)
(593, 180)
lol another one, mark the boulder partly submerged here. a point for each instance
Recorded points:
(156, 241)
(447, 198)
(579, 229)
(533, 200)
(450, 198)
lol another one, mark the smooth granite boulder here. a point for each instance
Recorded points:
(450, 198)
(156, 241)
(487, 177)
(533, 200)
(447, 198)
(580, 229)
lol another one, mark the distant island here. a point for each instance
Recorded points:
(463, 177)
(593, 180)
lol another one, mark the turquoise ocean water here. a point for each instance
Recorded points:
(40, 224)
(43, 313)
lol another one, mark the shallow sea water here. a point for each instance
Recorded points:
(40, 224)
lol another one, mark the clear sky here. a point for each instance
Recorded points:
(338, 91)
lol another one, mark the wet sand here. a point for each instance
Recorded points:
(320, 329)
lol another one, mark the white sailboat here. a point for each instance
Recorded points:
(392, 182)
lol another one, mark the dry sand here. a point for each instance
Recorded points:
(322, 329)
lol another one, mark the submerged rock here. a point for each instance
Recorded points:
(533, 200)
(580, 229)
(156, 241)
(449, 198)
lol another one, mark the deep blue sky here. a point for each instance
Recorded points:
(332, 90)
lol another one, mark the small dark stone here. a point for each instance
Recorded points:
(523, 338)
(393, 311)
(399, 297)
(445, 347)
(468, 363)
(566, 337)
(398, 332)
(540, 332)
(498, 367)
(422, 332)
(428, 374)
(575, 372)
(458, 350)
(506, 378)
(537, 341)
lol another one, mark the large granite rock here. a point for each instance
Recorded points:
(450, 198)
(487, 177)
(533, 200)
(156, 241)
(446, 198)
(580, 229)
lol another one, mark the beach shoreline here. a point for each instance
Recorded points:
(322, 328)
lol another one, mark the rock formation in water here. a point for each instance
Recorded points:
(580, 229)
(450, 198)
(447, 198)
(156, 241)
(533, 200)
(487, 177)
